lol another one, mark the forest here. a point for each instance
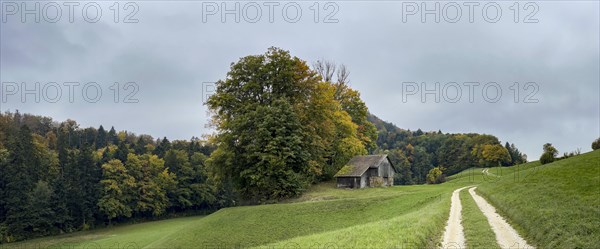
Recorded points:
(416, 153)
(280, 126)
(58, 177)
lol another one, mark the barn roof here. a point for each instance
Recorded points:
(358, 165)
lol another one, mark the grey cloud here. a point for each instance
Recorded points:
(171, 52)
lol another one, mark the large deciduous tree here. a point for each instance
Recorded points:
(280, 127)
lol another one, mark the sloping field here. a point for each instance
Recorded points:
(375, 218)
(124, 236)
(556, 205)
(370, 218)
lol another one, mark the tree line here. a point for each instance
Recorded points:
(415, 154)
(58, 177)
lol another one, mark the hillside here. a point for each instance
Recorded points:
(556, 205)
(324, 215)
(417, 152)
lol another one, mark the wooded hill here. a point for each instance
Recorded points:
(416, 153)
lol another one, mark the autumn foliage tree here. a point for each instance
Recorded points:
(281, 127)
(118, 188)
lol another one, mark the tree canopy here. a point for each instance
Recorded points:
(281, 126)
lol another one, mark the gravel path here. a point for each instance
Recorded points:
(506, 236)
(453, 234)
(486, 171)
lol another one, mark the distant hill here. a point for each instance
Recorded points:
(425, 150)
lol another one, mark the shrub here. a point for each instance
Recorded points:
(546, 158)
(376, 181)
(435, 176)
(596, 144)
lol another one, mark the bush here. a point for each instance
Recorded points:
(546, 158)
(435, 176)
(376, 181)
(596, 144)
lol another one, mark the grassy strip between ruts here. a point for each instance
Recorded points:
(478, 232)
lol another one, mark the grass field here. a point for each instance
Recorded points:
(337, 220)
(554, 206)
(124, 236)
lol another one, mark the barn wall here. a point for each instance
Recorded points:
(363, 181)
(383, 175)
(385, 168)
(348, 182)
(372, 172)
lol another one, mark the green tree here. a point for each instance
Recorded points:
(549, 154)
(162, 148)
(151, 197)
(21, 175)
(4, 178)
(141, 143)
(596, 144)
(122, 151)
(402, 165)
(118, 190)
(320, 136)
(180, 195)
(101, 138)
(421, 164)
(85, 187)
(515, 155)
(112, 136)
(203, 189)
(40, 214)
(454, 153)
(271, 162)
(494, 155)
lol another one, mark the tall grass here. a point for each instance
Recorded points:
(556, 205)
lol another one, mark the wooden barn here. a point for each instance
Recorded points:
(366, 171)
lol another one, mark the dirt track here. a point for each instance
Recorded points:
(506, 236)
(453, 234)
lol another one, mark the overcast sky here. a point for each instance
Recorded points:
(176, 46)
